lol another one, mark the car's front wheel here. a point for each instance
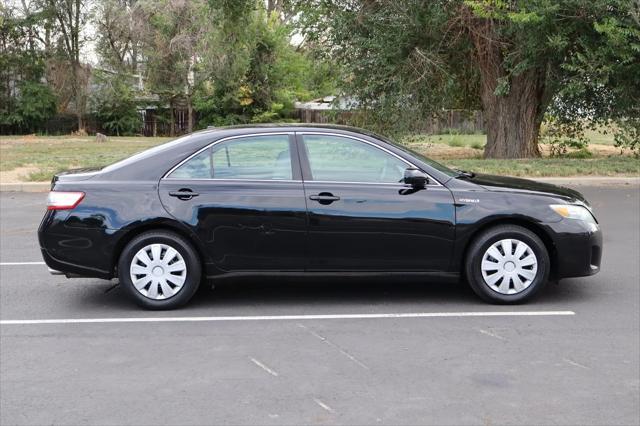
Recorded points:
(507, 264)
(159, 270)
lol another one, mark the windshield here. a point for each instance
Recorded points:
(440, 167)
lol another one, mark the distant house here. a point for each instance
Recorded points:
(326, 109)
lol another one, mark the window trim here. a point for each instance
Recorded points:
(373, 144)
(167, 175)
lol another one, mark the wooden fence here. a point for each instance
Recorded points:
(450, 120)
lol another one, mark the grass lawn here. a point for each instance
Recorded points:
(37, 158)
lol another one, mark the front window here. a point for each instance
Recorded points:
(264, 157)
(341, 159)
(440, 167)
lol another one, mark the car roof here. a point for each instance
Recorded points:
(285, 127)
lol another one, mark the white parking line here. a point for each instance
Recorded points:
(289, 317)
(264, 367)
(323, 405)
(21, 263)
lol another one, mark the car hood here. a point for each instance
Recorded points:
(511, 184)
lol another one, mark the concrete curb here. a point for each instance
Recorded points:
(25, 187)
(590, 180)
(570, 181)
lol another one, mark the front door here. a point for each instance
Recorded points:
(362, 218)
(243, 198)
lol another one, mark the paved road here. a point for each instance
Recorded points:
(575, 369)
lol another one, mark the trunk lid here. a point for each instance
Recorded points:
(75, 175)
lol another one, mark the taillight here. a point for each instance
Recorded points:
(59, 200)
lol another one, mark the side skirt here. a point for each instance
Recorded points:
(436, 276)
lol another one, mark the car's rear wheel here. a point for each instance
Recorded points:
(159, 270)
(507, 264)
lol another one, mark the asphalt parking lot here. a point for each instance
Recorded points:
(575, 362)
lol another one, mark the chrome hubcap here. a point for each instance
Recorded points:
(509, 266)
(158, 271)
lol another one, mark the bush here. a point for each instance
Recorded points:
(114, 105)
(456, 142)
(34, 105)
(580, 153)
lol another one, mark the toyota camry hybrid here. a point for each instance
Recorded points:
(309, 200)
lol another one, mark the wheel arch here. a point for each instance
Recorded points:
(165, 225)
(526, 223)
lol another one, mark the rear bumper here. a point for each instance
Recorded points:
(74, 251)
(72, 270)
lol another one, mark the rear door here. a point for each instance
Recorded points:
(243, 197)
(362, 218)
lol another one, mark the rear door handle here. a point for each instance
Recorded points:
(183, 194)
(324, 198)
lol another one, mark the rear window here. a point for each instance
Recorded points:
(145, 154)
(264, 157)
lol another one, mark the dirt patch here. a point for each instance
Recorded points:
(18, 174)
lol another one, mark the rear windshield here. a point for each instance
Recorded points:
(145, 154)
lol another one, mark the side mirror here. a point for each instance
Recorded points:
(415, 178)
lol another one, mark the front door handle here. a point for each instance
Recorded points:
(183, 194)
(324, 198)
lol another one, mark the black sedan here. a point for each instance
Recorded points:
(309, 200)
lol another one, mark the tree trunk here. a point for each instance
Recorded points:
(189, 115)
(75, 87)
(172, 126)
(514, 114)
(513, 120)
(80, 123)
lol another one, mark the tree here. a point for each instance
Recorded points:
(70, 18)
(25, 100)
(118, 38)
(170, 32)
(249, 71)
(407, 59)
(605, 83)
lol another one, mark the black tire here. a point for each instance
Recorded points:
(482, 243)
(183, 247)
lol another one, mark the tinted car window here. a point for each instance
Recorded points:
(255, 157)
(340, 159)
(199, 167)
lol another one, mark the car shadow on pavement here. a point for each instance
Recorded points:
(391, 294)
(396, 293)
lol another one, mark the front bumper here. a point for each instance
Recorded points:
(578, 248)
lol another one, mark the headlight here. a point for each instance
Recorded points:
(571, 211)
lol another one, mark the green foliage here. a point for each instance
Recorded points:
(25, 102)
(456, 142)
(251, 73)
(400, 60)
(405, 60)
(35, 104)
(606, 76)
(114, 104)
(627, 135)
